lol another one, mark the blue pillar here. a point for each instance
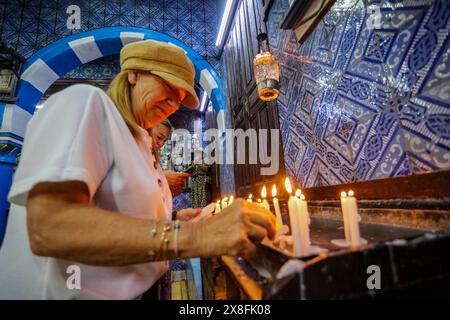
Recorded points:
(7, 163)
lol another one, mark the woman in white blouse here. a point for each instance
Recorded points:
(95, 201)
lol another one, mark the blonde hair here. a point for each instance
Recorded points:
(119, 91)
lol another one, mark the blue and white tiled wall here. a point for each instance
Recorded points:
(362, 103)
(182, 201)
(29, 25)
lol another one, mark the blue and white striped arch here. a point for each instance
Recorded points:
(52, 62)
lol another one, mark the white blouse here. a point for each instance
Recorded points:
(80, 135)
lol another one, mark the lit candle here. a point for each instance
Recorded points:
(294, 219)
(265, 204)
(217, 209)
(303, 218)
(259, 201)
(249, 199)
(230, 201)
(276, 206)
(224, 202)
(345, 218)
(354, 217)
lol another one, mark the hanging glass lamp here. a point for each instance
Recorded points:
(267, 71)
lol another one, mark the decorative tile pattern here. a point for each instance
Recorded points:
(368, 103)
(28, 26)
(182, 201)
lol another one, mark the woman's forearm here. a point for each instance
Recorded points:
(83, 233)
(93, 236)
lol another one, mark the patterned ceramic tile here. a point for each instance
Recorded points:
(61, 28)
(27, 39)
(47, 14)
(369, 103)
(170, 3)
(97, 5)
(12, 23)
(30, 25)
(30, 11)
(49, 4)
(426, 132)
(156, 24)
(126, 20)
(377, 146)
(142, 21)
(170, 25)
(142, 10)
(182, 201)
(112, 20)
(185, 29)
(26, 50)
(96, 20)
(171, 13)
(156, 13)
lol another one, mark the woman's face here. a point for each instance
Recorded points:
(153, 99)
(160, 133)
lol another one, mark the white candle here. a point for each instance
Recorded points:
(352, 212)
(249, 199)
(345, 217)
(276, 206)
(230, 201)
(217, 209)
(303, 221)
(294, 219)
(265, 204)
(224, 203)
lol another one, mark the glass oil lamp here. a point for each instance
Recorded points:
(267, 71)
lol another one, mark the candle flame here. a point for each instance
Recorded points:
(231, 200)
(351, 193)
(259, 200)
(298, 193)
(302, 196)
(287, 184)
(274, 191)
(264, 192)
(343, 194)
(250, 196)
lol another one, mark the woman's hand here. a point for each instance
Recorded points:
(188, 214)
(176, 181)
(235, 230)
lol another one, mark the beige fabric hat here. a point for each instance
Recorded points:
(164, 60)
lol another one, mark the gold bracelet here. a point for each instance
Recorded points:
(153, 232)
(164, 238)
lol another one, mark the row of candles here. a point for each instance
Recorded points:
(300, 220)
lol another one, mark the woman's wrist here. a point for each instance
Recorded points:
(174, 239)
(189, 243)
